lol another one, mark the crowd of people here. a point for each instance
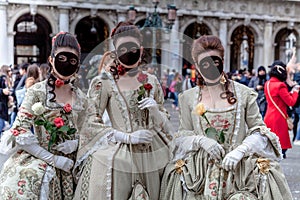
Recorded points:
(59, 145)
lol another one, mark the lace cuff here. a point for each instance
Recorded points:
(259, 143)
(26, 139)
(7, 143)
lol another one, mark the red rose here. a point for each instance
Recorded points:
(59, 83)
(67, 108)
(214, 193)
(212, 186)
(59, 122)
(21, 182)
(121, 70)
(15, 132)
(148, 86)
(20, 191)
(142, 77)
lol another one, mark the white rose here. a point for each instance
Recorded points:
(38, 108)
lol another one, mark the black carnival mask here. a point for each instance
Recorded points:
(66, 63)
(128, 53)
(211, 67)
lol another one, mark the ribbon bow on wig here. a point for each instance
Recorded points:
(278, 67)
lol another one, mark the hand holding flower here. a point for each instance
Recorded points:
(57, 129)
(211, 132)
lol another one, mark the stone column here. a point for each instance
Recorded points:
(175, 59)
(11, 52)
(4, 59)
(223, 38)
(165, 51)
(268, 56)
(64, 18)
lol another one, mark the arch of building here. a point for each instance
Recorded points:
(204, 21)
(281, 27)
(102, 16)
(25, 10)
(258, 38)
(15, 15)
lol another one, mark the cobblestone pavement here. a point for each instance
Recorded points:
(290, 165)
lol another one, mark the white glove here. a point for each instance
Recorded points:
(149, 103)
(136, 137)
(59, 162)
(152, 106)
(211, 146)
(67, 147)
(233, 158)
(63, 163)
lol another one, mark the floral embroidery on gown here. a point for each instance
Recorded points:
(193, 176)
(24, 176)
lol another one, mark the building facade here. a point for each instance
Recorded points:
(253, 32)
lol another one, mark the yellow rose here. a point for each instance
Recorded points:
(200, 109)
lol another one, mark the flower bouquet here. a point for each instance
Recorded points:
(57, 128)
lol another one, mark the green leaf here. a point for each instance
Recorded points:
(52, 140)
(64, 129)
(72, 131)
(141, 92)
(212, 133)
(140, 97)
(39, 122)
(222, 137)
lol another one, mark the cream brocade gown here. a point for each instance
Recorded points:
(191, 175)
(108, 169)
(24, 176)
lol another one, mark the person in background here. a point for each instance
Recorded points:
(257, 83)
(5, 84)
(23, 72)
(44, 71)
(169, 81)
(278, 99)
(187, 82)
(174, 89)
(33, 75)
(16, 77)
(223, 150)
(245, 77)
(193, 75)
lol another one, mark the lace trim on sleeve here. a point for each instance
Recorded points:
(268, 146)
(26, 139)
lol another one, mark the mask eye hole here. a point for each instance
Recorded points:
(133, 49)
(73, 61)
(217, 63)
(62, 58)
(122, 50)
(204, 65)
